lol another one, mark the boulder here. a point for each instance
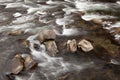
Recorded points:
(72, 45)
(85, 45)
(46, 35)
(29, 62)
(15, 32)
(17, 64)
(51, 47)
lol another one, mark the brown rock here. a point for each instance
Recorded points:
(115, 30)
(72, 45)
(97, 21)
(15, 32)
(29, 63)
(24, 42)
(102, 53)
(51, 47)
(85, 45)
(17, 64)
(46, 35)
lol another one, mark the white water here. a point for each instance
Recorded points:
(111, 26)
(89, 17)
(52, 66)
(24, 21)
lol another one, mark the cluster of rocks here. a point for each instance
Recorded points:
(85, 45)
(21, 63)
(47, 37)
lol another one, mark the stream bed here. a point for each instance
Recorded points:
(34, 36)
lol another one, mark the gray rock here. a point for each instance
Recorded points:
(46, 35)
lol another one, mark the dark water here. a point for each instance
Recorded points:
(67, 19)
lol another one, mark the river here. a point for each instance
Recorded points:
(69, 19)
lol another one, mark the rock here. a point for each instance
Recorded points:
(51, 47)
(102, 53)
(97, 21)
(115, 30)
(17, 64)
(46, 35)
(15, 32)
(80, 13)
(72, 45)
(24, 42)
(29, 63)
(85, 45)
(37, 47)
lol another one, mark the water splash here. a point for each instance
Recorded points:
(52, 66)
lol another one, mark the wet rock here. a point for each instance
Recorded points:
(106, 44)
(17, 64)
(79, 13)
(46, 35)
(15, 32)
(37, 47)
(72, 45)
(97, 21)
(51, 47)
(24, 42)
(115, 30)
(29, 63)
(85, 45)
(102, 53)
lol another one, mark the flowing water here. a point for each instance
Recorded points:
(62, 16)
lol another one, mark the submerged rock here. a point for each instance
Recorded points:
(51, 47)
(102, 53)
(85, 45)
(17, 64)
(115, 30)
(97, 21)
(24, 42)
(15, 32)
(46, 35)
(72, 45)
(29, 63)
